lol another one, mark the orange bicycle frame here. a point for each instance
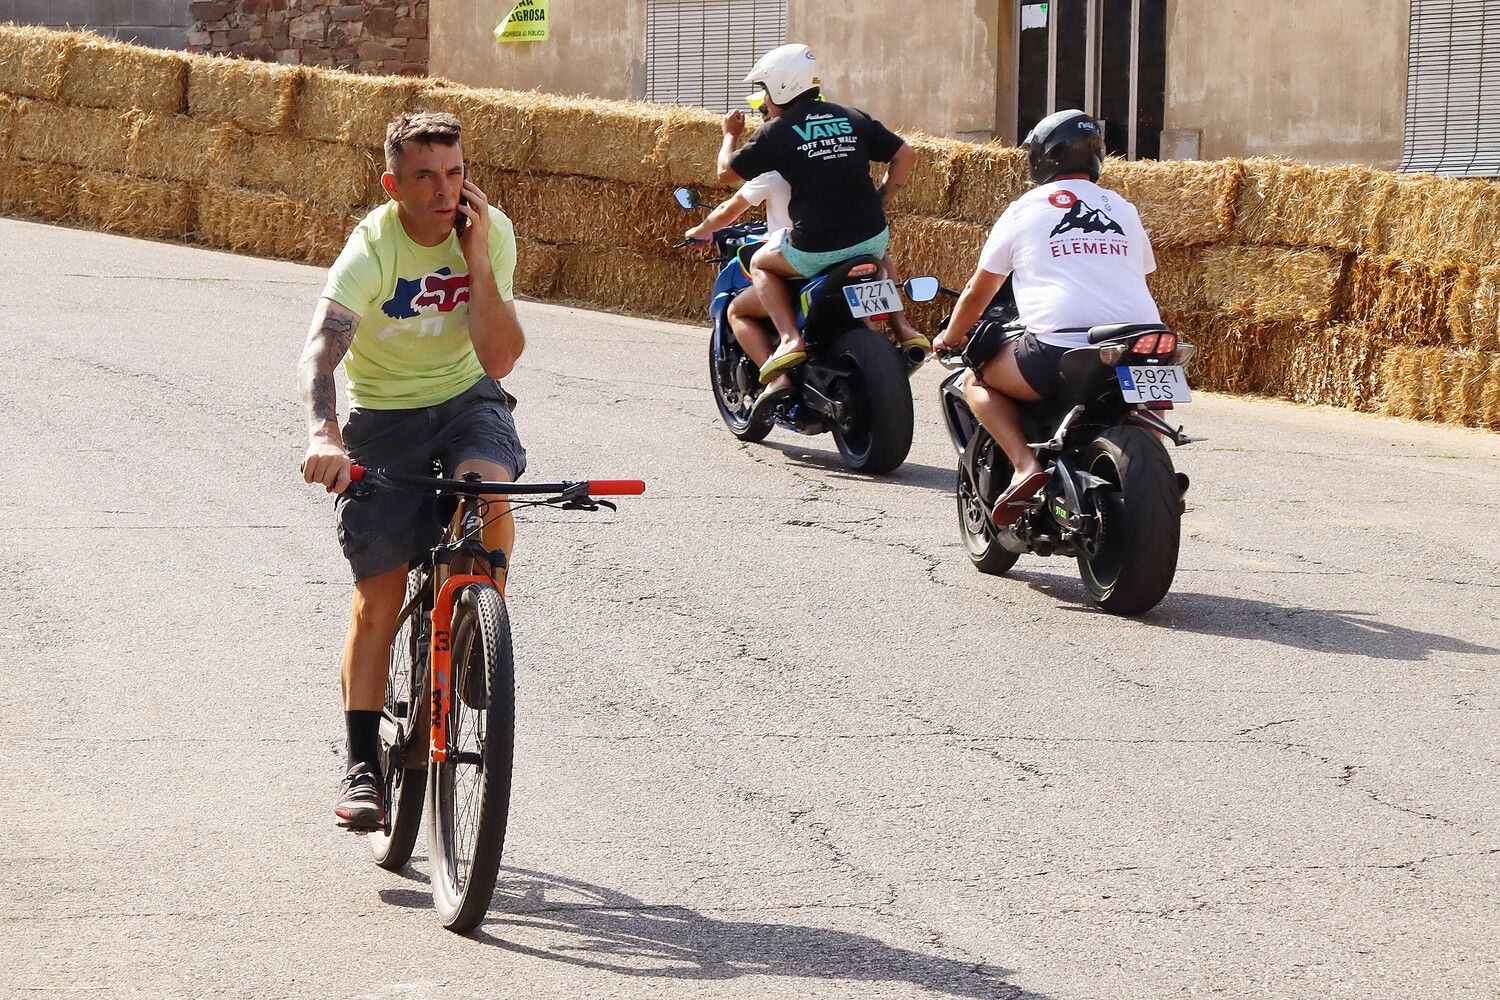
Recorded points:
(442, 658)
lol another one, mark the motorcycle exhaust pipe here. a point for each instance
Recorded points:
(914, 356)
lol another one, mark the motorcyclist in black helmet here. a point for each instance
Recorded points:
(1078, 257)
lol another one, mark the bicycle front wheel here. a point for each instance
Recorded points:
(469, 793)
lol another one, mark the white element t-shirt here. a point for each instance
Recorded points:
(1079, 257)
(771, 188)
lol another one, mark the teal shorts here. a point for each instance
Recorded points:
(809, 264)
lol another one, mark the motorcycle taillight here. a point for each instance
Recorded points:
(1146, 344)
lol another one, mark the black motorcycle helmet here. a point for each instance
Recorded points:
(1065, 142)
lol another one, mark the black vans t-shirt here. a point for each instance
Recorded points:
(824, 152)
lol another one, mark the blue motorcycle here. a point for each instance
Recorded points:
(854, 382)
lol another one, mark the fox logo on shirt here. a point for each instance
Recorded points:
(441, 290)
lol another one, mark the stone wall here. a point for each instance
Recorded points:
(159, 23)
(372, 37)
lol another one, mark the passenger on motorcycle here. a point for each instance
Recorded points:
(823, 150)
(1078, 256)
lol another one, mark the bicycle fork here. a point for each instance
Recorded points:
(442, 658)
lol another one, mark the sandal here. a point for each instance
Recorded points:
(765, 404)
(1013, 501)
(779, 363)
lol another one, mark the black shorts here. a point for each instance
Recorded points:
(1039, 363)
(390, 528)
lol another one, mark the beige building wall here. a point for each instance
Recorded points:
(1324, 83)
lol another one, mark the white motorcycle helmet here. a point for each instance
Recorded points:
(784, 72)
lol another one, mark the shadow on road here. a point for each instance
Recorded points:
(1314, 629)
(575, 923)
(825, 460)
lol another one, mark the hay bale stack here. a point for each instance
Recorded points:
(43, 191)
(537, 268)
(1408, 303)
(687, 148)
(336, 106)
(1183, 203)
(1296, 204)
(95, 138)
(255, 96)
(177, 148)
(326, 172)
(271, 226)
(100, 74)
(613, 140)
(32, 60)
(984, 179)
(1179, 284)
(637, 283)
(931, 185)
(8, 110)
(1271, 284)
(499, 126)
(943, 247)
(120, 203)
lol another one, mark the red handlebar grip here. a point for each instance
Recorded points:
(356, 473)
(616, 487)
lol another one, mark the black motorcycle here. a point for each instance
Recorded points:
(1113, 500)
(854, 381)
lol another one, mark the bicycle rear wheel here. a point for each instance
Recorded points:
(469, 793)
(401, 732)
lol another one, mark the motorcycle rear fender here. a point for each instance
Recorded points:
(821, 303)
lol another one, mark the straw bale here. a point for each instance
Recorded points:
(177, 148)
(326, 172)
(687, 148)
(984, 179)
(640, 284)
(255, 96)
(270, 225)
(100, 74)
(1336, 366)
(615, 140)
(120, 203)
(32, 59)
(336, 106)
(1439, 219)
(39, 191)
(499, 127)
(586, 210)
(95, 138)
(1296, 204)
(1179, 284)
(537, 268)
(1182, 203)
(1272, 284)
(9, 109)
(943, 247)
(1407, 302)
(932, 180)
(1447, 385)
(1474, 309)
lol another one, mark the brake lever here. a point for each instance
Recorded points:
(589, 504)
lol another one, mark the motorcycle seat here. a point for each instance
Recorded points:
(1122, 331)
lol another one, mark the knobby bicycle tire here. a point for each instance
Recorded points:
(406, 681)
(466, 825)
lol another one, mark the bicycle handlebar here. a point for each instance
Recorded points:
(587, 487)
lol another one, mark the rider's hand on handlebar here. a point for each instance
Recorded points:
(948, 342)
(698, 234)
(326, 463)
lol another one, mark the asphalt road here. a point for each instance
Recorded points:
(776, 737)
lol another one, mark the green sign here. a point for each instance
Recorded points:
(526, 22)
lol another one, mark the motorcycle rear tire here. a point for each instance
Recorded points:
(744, 428)
(978, 532)
(1141, 526)
(884, 416)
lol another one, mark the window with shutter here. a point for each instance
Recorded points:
(1453, 89)
(698, 51)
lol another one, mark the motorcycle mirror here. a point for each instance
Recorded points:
(923, 289)
(688, 198)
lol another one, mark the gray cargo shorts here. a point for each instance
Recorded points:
(390, 529)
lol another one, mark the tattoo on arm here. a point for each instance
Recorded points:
(327, 343)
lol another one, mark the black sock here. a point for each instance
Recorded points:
(364, 738)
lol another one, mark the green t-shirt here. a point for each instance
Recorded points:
(412, 346)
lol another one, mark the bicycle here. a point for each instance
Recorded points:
(448, 726)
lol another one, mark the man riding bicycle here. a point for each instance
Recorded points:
(424, 314)
(824, 151)
(1079, 257)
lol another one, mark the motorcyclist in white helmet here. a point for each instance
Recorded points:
(824, 151)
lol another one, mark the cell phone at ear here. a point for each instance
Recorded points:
(460, 220)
